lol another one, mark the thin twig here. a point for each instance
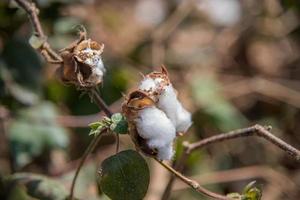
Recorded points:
(99, 101)
(179, 166)
(195, 185)
(32, 12)
(88, 150)
(256, 130)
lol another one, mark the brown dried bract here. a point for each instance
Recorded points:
(82, 64)
(163, 75)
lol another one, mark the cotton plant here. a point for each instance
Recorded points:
(155, 115)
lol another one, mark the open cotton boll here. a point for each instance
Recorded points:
(153, 124)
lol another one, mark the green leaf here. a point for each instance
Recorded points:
(23, 63)
(125, 176)
(249, 193)
(34, 186)
(252, 194)
(97, 127)
(34, 131)
(234, 195)
(249, 186)
(36, 42)
(117, 117)
(119, 124)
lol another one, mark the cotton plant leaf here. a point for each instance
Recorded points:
(34, 131)
(23, 63)
(250, 192)
(124, 176)
(29, 186)
(117, 124)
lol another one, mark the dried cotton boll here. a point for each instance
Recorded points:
(82, 64)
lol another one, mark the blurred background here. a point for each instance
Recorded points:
(234, 63)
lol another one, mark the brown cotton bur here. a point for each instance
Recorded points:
(155, 92)
(141, 99)
(75, 70)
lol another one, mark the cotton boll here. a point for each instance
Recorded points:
(153, 125)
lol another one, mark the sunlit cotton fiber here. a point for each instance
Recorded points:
(153, 124)
(169, 103)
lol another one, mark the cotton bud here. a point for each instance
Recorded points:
(82, 64)
(155, 115)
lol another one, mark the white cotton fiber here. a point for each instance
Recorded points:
(147, 84)
(184, 119)
(97, 71)
(179, 116)
(166, 152)
(154, 126)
